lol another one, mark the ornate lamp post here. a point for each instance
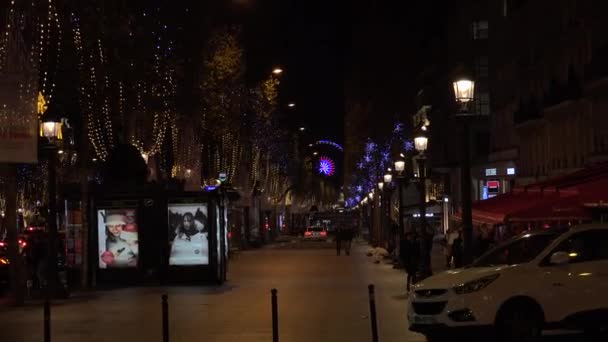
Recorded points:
(464, 92)
(421, 143)
(50, 128)
(386, 203)
(399, 170)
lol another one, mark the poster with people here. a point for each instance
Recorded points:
(118, 238)
(188, 234)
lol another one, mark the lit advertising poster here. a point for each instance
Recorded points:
(118, 236)
(188, 234)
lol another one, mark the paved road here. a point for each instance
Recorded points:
(322, 297)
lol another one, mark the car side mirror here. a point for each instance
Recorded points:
(559, 258)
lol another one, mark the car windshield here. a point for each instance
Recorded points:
(518, 251)
(316, 229)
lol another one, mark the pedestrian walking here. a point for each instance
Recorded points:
(410, 257)
(348, 235)
(451, 236)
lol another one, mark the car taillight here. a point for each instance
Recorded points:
(323, 233)
(307, 233)
(2, 244)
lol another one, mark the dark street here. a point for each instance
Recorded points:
(322, 297)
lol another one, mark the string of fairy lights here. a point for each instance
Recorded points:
(118, 92)
(132, 90)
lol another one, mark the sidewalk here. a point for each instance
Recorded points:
(437, 257)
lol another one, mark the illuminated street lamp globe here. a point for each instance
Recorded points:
(380, 185)
(421, 141)
(51, 124)
(388, 177)
(399, 166)
(464, 90)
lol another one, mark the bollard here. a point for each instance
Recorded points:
(47, 320)
(372, 312)
(275, 316)
(165, 309)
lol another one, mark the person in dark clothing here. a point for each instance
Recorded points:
(410, 257)
(347, 236)
(457, 251)
(339, 235)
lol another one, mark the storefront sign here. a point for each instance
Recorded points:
(491, 172)
(511, 171)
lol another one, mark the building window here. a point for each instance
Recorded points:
(481, 66)
(480, 29)
(482, 103)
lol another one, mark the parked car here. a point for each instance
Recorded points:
(535, 281)
(315, 233)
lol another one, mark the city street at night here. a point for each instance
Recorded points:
(322, 297)
(184, 171)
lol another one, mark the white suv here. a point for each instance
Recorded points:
(535, 281)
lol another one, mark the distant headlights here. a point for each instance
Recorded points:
(475, 285)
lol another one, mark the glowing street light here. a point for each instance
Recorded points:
(291, 105)
(277, 71)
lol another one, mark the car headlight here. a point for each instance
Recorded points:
(475, 285)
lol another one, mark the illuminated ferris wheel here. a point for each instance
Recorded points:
(327, 167)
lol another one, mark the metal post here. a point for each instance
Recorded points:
(275, 316)
(467, 215)
(47, 320)
(372, 312)
(400, 185)
(222, 228)
(165, 318)
(52, 225)
(425, 248)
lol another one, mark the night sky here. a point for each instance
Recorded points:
(307, 40)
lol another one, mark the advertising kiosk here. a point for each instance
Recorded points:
(160, 237)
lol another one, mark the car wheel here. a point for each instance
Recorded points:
(519, 321)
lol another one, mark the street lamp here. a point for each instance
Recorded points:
(399, 169)
(50, 127)
(464, 92)
(277, 71)
(421, 144)
(291, 105)
(421, 141)
(380, 185)
(388, 177)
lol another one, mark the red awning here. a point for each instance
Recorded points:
(557, 209)
(565, 197)
(498, 209)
